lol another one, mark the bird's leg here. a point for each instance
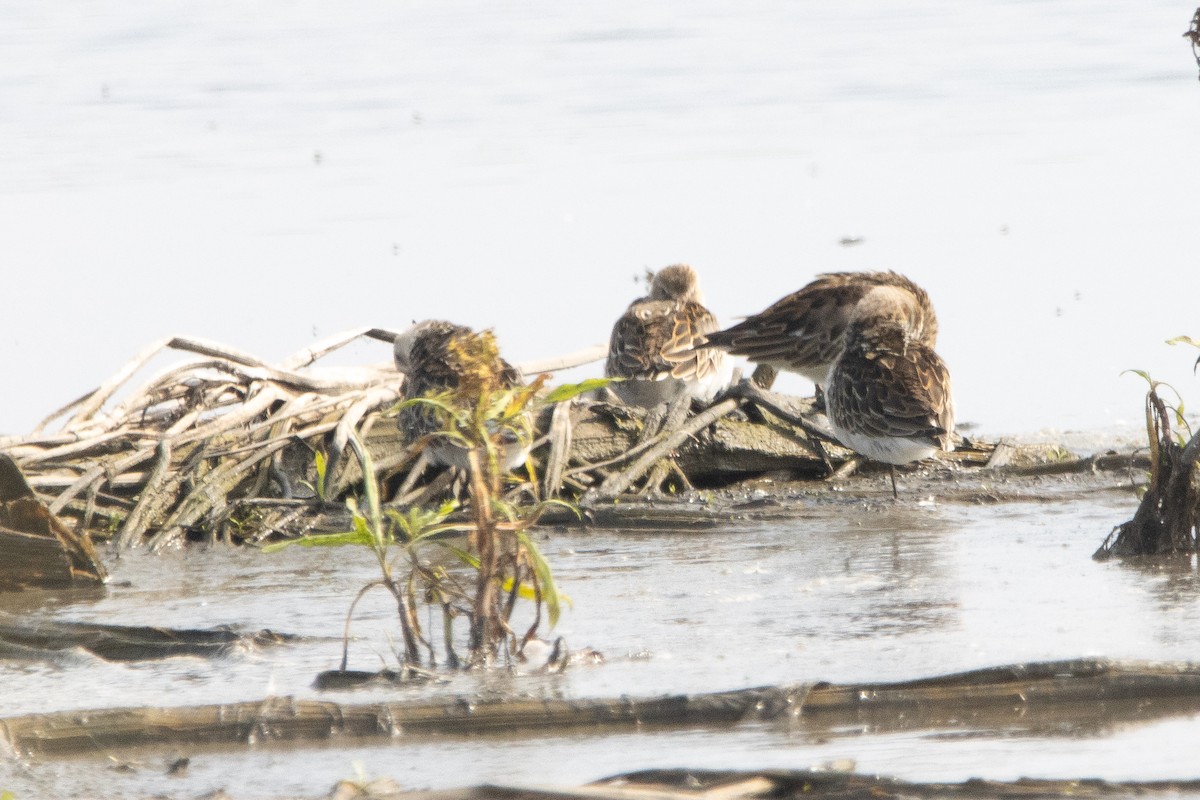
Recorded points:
(818, 399)
(895, 494)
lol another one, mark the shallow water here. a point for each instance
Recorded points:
(847, 591)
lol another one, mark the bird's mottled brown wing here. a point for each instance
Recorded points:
(904, 393)
(692, 322)
(638, 339)
(800, 331)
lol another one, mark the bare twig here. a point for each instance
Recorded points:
(616, 484)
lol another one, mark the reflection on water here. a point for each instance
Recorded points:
(848, 592)
(1173, 582)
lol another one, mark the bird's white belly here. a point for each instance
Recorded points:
(888, 449)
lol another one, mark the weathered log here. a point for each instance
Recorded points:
(36, 548)
(699, 784)
(731, 447)
(1003, 696)
(127, 643)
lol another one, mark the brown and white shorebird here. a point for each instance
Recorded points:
(651, 346)
(888, 393)
(428, 355)
(802, 332)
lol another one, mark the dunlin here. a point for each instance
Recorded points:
(802, 332)
(429, 355)
(888, 394)
(651, 344)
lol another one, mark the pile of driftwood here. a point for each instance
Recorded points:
(170, 454)
(227, 446)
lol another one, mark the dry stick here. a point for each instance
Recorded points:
(98, 473)
(15, 445)
(250, 410)
(228, 357)
(753, 391)
(761, 397)
(159, 398)
(251, 374)
(430, 490)
(87, 405)
(193, 378)
(216, 485)
(89, 509)
(576, 359)
(372, 400)
(383, 463)
(293, 410)
(306, 356)
(560, 449)
(414, 474)
(138, 520)
(96, 400)
(278, 526)
(210, 494)
(41, 426)
(615, 484)
(213, 488)
(628, 455)
(78, 448)
(52, 483)
(108, 473)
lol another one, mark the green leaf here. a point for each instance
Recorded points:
(322, 466)
(1143, 374)
(569, 391)
(1184, 340)
(325, 540)
(463, 556)
(541, 507)
(545, 577)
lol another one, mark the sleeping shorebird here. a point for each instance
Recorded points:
(426, 354)
(888, 393)
(651, 344)
(802, 332)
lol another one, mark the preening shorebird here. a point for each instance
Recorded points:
(651, 346)
(430, 354)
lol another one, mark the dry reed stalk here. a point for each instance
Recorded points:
(207, 422)
(560, 449)
(137, 521)
(308, 355)
(577, 359)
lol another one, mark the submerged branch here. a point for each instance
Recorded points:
(1005, 697)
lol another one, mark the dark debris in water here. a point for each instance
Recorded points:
(32, 638)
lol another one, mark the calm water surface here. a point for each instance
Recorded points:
(845, 592)
(266, 174)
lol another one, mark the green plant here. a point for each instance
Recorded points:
(1168, 515)
(319, 487)
(499, 564)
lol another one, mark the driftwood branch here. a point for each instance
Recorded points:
(1001, 696)
(619, 483)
